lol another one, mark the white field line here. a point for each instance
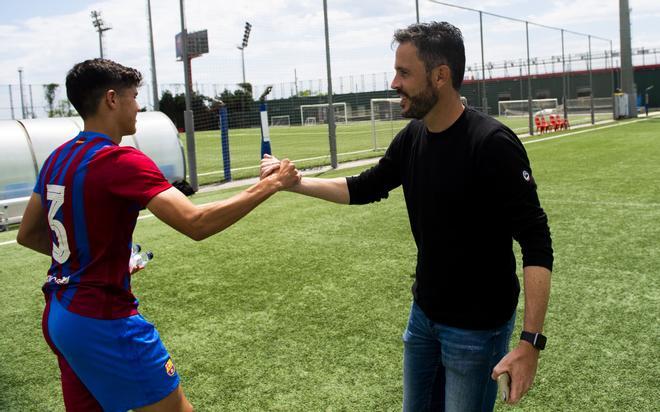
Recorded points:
(623, 204)
(215, 172)
(295, 160)
(603, 203)
(586, 130)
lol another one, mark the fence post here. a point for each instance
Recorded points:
(224, 132)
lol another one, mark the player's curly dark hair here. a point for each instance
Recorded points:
(437, 43)
(88, 81)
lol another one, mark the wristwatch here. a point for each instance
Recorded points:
(536, 339)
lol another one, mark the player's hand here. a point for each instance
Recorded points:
(520, 364)
(269, 164)
(286, 175)
(134, 269)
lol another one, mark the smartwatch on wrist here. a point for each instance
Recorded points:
(536, 339)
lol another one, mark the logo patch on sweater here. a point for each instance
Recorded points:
(526, 176)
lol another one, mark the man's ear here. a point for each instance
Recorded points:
(111, 98)
(441, 76)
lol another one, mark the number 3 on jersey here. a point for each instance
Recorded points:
(55, 193)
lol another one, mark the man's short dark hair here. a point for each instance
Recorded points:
(437, 43)
(88, 81)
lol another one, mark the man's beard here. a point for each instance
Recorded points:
(420, 104)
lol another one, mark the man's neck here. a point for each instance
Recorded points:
(104, 126)
(445, 113)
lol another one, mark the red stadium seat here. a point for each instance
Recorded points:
(537, 122)
(545, 125)
(562, 123)
(554, 123)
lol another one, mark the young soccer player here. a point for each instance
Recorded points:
(82, 213)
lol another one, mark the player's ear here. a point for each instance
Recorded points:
(111, 98)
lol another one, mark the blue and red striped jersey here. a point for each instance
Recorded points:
(92, 191)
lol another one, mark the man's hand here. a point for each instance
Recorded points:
(285, 174)
(269, 164)
(520, 364)
(134, 269)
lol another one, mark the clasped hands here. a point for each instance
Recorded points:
(283, 171)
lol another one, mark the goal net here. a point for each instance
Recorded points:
(521, 107)
(282, 121)
(386, 121)
(319, 112)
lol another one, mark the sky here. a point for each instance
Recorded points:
(46, 38)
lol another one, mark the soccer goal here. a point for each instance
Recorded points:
(521, 107)
(280, 121)
(320, 113)
(386, 120)
(310, 121)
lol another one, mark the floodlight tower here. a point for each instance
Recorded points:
(99, 24)
(246, 36)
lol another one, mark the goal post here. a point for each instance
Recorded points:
(387, 110)
(319, 112)
(521, 107)
(281, 121)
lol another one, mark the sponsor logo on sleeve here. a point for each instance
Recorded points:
(526, 176)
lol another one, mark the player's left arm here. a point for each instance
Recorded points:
(34, 231)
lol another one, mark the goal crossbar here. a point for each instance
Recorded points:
(321, 105)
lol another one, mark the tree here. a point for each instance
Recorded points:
(63, 109)
(49, 93)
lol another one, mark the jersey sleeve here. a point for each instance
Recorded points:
(508, 171)
(134, 176)
(375, 183)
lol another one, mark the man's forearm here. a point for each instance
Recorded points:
(333, 190)
(537, 293)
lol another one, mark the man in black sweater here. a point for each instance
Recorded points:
(469, 192)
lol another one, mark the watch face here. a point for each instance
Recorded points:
(540, 341)
(536, 339)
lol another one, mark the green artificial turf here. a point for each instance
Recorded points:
(301, 305)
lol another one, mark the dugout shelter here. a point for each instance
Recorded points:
(25, 145)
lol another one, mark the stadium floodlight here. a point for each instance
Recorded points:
(99, 24)
(246, 37)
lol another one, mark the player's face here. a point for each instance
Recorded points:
(129, 110)
(413, 83)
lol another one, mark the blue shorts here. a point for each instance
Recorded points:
(121, 362)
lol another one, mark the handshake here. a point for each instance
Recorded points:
(283, 172)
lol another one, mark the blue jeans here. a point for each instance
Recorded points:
(448, 369)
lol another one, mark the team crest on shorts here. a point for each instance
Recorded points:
(169, 367)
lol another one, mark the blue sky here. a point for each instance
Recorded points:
(46, 38)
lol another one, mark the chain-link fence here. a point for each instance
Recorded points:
(562, 77)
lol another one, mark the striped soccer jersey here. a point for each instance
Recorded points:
(92, 191)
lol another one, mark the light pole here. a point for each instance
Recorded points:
(20, 88)
(246, 36)
(154, 82)
(98, 23)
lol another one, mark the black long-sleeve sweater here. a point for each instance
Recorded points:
(469, 192)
